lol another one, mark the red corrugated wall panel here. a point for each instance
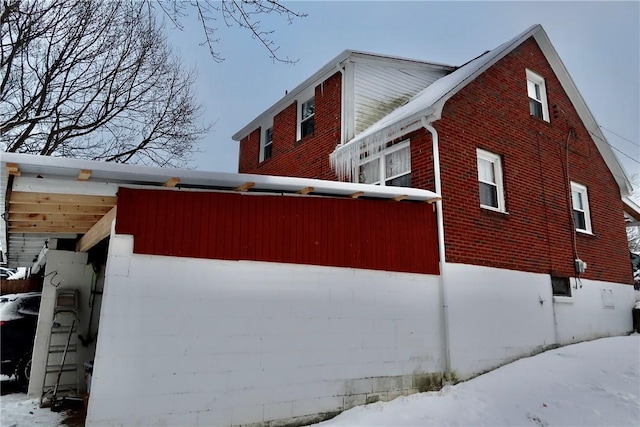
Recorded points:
(369, 234)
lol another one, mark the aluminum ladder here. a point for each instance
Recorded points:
(61, 379)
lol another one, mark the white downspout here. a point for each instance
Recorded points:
(444, 299)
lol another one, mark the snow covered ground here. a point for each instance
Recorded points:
(595, 383)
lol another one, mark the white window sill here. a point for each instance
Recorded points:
(588, 233)
(492, 209)
(563, 300)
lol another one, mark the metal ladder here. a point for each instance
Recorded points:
(61, 379)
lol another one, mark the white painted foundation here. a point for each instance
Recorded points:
(496, 316)
(594, 310)
(203, 342)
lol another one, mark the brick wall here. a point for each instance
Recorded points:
(309, 157)
(491, 113)
(536, 234)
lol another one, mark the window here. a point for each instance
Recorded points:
(490, 181)
(537, 96)
(580, 202)
(390, 167)
(560, 286)
(267, 145)
(307, 117)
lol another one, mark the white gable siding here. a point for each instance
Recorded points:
(380, 89)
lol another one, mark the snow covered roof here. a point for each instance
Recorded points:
(430, 102)
(328, 69)
(44, 197)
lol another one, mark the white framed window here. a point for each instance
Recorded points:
(266, 144)
(306, 117)
(537, 92)
(580, 204)
(490, 180)
(388, 167)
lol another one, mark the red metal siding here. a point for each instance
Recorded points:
(368, 234)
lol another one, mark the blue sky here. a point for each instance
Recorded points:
(599, 43)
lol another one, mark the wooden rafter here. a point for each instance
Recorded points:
(61, 199)
(171, 182)
(98, 232)
(13, 169)
(84, 175)
(246, 186)
(400, 197)
(305, 190)
(356, 195)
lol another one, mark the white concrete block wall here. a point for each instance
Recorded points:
(595, 309)
(64, 270)
(206, 342)
(496, 316)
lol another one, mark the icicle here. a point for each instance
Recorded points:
(346, 158)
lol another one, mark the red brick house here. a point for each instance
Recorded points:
(516, 144)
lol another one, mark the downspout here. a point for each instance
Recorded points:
(340, 68)
(444, 299)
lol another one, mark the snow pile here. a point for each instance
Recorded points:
(17, 410)
(592, 383)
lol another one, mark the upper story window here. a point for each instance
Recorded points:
(580, 202)
(266, 146)
(490, 180)
(391, 167)
(537, 92)
(307, 117)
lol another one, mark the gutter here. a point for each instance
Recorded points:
(444, 298)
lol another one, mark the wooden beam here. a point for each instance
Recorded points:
(59, 209)
(57, 230)
(435, 199)
(171, 182)
(305, 191)
(61, 199)
(84, 175)
(38, 216)
(13, 169)
(98, 232)
(356, 194)
(400, 197)
(246, 186)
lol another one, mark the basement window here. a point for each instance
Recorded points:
(537, 93)
(561, 286)
(490, 181)
(580, 204)
(390, 167)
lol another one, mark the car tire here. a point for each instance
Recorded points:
(23, 372)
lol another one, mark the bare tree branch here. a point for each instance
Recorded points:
(245, 14)
(96, 80)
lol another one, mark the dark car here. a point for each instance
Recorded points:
(18, 321)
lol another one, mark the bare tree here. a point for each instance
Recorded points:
(94, 79)
(244, 14)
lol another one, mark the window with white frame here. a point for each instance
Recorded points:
(266, 148)
(307, 117)
(388, 167)
(490, 180)
(580, 202)
(537, 92)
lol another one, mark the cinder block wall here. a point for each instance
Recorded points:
(205, 342)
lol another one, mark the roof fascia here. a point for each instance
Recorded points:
(326, 71)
